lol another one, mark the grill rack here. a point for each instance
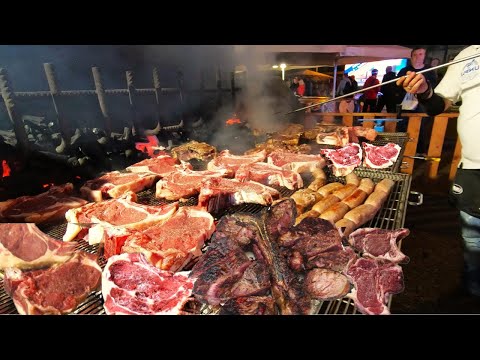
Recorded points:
(391, 216)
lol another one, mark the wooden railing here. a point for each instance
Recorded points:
(435, 142)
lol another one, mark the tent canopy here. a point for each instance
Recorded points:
(295, 56)
(310, 73)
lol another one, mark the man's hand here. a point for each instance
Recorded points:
(413, 83)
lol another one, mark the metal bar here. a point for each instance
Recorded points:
(380, 84)
(18, 126)
(102, 98)
(157, 89)
(131, 96)
(53, 85)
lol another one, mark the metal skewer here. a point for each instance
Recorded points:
(380, 84)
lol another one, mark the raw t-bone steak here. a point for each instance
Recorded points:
(115, 218)
(133, 286)
(56, 290)
(172, 244)
(25, 246)
(114, 184)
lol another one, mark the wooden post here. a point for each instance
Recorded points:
(18, 126)
(390, 126)
(102, 99)
(347, 120)
(54, 90)
(436, 144)
(411, 146)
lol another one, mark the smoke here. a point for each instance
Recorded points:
(262, 94)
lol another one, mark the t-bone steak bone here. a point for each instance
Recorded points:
(219, 193)
(231, 162)
(49, 206)
(379, 243)
(133, 286)
(301, 163)
(270, 175)
(115, 218)
(161, 165)
(183, 184)
(25, 246)
(380, 157)
(114, 184)
(56, 290)
(171, 245)
(374, 281)
(345, 159)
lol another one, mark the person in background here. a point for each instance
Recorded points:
(417, 63)
(341, 85)
(301, 87)
(461, 81)
(356, 106)
(294, 84)
(391, 95)
(370, 104)
(435, 62)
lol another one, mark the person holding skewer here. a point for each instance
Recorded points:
(461, 82)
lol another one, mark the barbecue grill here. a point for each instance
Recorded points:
(391, 216)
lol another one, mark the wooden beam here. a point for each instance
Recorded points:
(436, 144)
(411, 146)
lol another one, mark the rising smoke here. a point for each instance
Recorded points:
(262, 93)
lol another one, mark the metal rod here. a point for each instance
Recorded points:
(13, 113)
(53, 86)
(131, 96)
(380, 84)
(101, 98)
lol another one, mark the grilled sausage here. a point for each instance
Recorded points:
(320, 179)
(352, 178)
(310, 213)
(355, 199)
(345, 227)
(385, 185)
(329, 188)
(376, 199)
(345, 191)
(305, 198)
(361, 214)
(335, 212)
(324, 204)
(367, 185)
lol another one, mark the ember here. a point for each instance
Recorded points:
(233, 121)
(45, 186)
(148, 147)
(6, 169)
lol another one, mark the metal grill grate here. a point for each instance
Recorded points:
(391, 216)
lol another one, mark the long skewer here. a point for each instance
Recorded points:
(380, 84)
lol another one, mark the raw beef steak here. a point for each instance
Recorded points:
(56, 290)
(25, 246)
(380, 157)
(133, 286)
(115, 184)
(172, 244)
(47, 207)
(345, 159)
(115, 218)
